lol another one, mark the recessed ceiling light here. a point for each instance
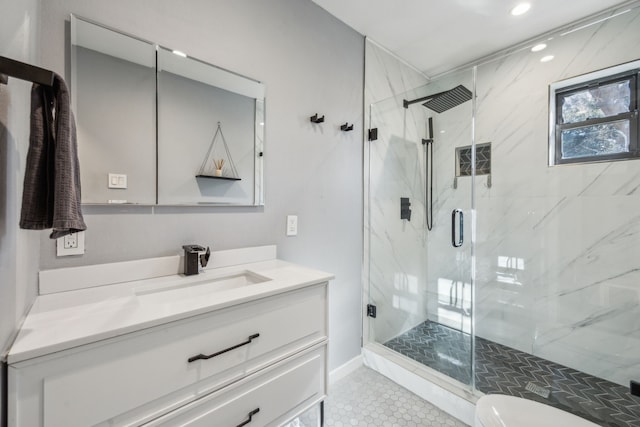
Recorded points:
(520, 9)
(539, 47)
(182, 54)
(546, 58)
(442, 131)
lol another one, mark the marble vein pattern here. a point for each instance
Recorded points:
(557, 271)
(393, 166)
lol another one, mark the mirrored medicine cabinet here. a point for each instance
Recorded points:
(157, 127)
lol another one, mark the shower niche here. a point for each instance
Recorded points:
(464, 162)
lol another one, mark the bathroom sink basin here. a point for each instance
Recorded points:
(204, 284)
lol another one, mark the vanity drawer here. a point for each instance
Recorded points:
(131, 379)
(267, 398)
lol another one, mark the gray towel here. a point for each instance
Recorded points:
(51, 194)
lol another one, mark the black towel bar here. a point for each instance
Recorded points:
(22, 71)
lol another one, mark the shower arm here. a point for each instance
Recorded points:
(406, 103)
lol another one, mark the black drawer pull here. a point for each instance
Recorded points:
(205, 357)
(251, 414)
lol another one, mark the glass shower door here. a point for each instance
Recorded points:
(420, 225)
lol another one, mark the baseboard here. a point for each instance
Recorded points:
(345, 369)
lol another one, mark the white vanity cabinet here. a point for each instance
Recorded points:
(265, 356)
(269, 398)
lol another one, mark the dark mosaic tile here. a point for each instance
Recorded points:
(504, 370)
(483, 160)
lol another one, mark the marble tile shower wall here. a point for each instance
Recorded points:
(394, 247)
(397, 246)
(557, 266)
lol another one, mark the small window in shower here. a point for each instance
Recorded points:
(483, 160)
(595, 116)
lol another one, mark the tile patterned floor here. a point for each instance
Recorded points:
(503, 370)
(365, 398)
(444, 349)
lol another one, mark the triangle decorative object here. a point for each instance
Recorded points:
(218, 163)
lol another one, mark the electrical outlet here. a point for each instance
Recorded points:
(292, 225)
(71, 244)
(70, 241)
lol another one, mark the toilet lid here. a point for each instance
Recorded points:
(496, 410)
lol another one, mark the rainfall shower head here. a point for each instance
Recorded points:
(443, 101)
(449, 99)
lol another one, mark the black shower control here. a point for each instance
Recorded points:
(405, 208)
(634, 387)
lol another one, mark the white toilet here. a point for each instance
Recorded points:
(496, 410)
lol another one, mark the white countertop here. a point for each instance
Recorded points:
(63, 320)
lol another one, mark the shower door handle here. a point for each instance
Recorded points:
(457, 242)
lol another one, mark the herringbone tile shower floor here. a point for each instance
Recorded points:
(504, 370)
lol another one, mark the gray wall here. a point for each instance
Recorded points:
(310, 63)
(19, 249)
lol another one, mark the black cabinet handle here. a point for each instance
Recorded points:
(251, 414)
(205, 357)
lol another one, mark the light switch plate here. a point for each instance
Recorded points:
(72, 244)
(117, 180)
(292, 225)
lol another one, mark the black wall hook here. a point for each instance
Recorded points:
(346, 127)
(316, 119)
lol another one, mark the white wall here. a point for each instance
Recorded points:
(19, 249)
(557, 246)
(310, 63)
